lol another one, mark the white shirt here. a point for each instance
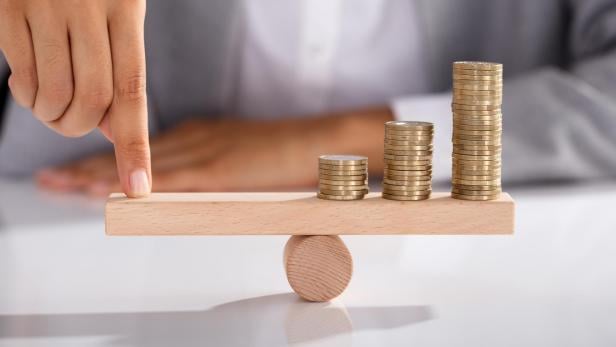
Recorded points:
(312, 56)
(306, 57)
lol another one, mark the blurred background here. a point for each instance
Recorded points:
(244, 96)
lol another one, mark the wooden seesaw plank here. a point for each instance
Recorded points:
(303, 214)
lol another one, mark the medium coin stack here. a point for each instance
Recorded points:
(408, 160)
(477, 128)
(343, 177)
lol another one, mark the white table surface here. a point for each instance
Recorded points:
(553, 283)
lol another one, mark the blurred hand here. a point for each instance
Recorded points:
(206, 155)
(79, 65)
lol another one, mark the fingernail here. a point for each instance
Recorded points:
(139, 184)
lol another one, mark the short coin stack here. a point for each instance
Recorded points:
(343, 177)
(477, 128)
(408, 160)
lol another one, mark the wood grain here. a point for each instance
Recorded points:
(303, 214)
(318, 268)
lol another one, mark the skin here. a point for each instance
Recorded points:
(240, 155)
(80, 65)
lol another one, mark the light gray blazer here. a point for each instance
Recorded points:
(559, 97)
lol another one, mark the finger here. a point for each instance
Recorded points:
(105, 128)
(16, 45)
(53, 64)
(93, 79)
(128, 111)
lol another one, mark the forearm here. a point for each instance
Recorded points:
(353, 132)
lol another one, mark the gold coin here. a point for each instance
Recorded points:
(457, 123)
(496, 127)
(475, 197)
(470, 79)
(476, 113)
(327, 187)
(476, 178)
(409, 124)
(474, 72)
(342, 167)
(470, 173)
(470, 99)
(406, 182)
(343, 182)
(408, 178)
(409, 168)
(477, 65)
(473, 169)
(489, 167)
(407, 193)
(476, 142)
(407, 173)
(464, 120)
(470, 116)
(476, 132)
(342, 172)
(343, 192)
(477, 137)
(343, 177)
(463, 92)
(406, 187)
(407, 162)
(408, 131)
(466, 187)
(457, 150)
(462, 107)
(465, 123)
(475, 164)
(409, 148)
(478, 87)
(479, 78)
(404, 198)
(407, 157)
(426, 142)
(411, 139)
(478, 103)
(495, 157)
(476, 183)
(392, 133)
(461, 98)
(343, 159)
(340, 197)
(408, 153)
(478, 148)
(475, 192)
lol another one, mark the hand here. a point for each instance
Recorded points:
(205, 155)
(81, 65)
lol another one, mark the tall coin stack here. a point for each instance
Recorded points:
(477, 128)
(343, 177)
(408, 160)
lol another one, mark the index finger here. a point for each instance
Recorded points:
(128, 114)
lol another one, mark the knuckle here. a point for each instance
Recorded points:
(132, 88)
(25, 76)
(8, 7)
(97, 99)
(54, 52)
(58, 93)
(136, 147)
